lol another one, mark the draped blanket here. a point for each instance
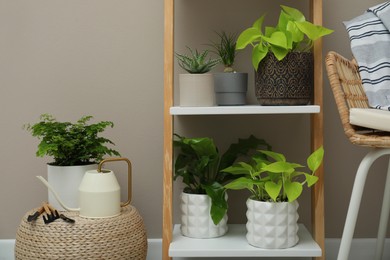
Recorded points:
(369, 34)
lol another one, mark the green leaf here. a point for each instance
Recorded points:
(258, 24)
(274, 155)
(311, 179)
(296, 34)
(273, 189)
(293, 13)
(293, 190)
(219, 204)
(258, 54)
(279, 53)
(238, 170)
(280, 167)
(313, 32)
(240, 184)
(248, 36)
(315, 159)
(203, 146)
(278, 39)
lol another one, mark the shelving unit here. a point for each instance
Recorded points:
(174, 245)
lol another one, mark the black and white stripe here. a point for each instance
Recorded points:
(369, 35)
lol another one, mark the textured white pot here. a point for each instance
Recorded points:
(272, 225)
(196, 90)
(66, 181)
(195, 219)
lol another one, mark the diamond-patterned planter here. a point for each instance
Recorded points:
(272, 225)
(195, 219)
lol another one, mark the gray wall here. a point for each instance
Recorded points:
(105, 58)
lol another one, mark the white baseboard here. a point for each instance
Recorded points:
(362, 249)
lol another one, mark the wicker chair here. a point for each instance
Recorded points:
(347, 89)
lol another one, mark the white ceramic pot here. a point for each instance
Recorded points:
(66, 180)
(196, 90)
(272, 225)
(195, 219)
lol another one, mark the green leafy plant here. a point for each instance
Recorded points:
(71, 143)
(199, 164)
(225, 48)
(197, 62)
(292, 33)
(274, 179)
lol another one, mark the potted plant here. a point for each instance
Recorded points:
(282, 59)
(199, 164)
(75, 148)
(230, 86)
(197, 87)
(275, 185)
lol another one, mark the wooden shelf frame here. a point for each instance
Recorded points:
(317, 196)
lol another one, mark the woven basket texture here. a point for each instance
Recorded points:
(122, 237)
(348, 92)
(285, 82)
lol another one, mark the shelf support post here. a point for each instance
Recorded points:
(317, 196)
(168, 128)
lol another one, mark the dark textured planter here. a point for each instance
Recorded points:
(285, 82)
(230, 88)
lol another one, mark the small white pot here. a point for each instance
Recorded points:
(196, 90)
(272, 225)
(195, 219)
(66, 180)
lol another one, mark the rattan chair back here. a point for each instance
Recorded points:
(348, 92)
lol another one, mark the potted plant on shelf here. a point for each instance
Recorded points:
(203, 200)
(197, 87)
(282, 59)
(275, 185)
(230, 86)
(75, 148)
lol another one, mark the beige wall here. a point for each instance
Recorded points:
(105, 58)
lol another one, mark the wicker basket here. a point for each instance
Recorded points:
(121, 237)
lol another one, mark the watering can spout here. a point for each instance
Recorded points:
(56, 195)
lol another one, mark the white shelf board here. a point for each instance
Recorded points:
(244, 110)
(234, 244)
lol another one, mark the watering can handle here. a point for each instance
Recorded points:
(129, 187)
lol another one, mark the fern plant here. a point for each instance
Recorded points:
(225, 48)
(197, 62)
(71, 143)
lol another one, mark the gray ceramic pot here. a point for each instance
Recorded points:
(230, 88)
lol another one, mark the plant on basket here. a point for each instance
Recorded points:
(282, 57)
(197, 86)
(275, 185)
(199, 164)
(75, 148)
(230, 86)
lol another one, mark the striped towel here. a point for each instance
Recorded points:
(370, 43)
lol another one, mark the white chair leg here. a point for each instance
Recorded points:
(356, 197)
(385, 212)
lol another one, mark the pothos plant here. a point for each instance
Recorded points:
(269, 177)
(71, 143)
(200, 165)
(292, 33)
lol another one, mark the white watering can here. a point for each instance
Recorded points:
(99, 192)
